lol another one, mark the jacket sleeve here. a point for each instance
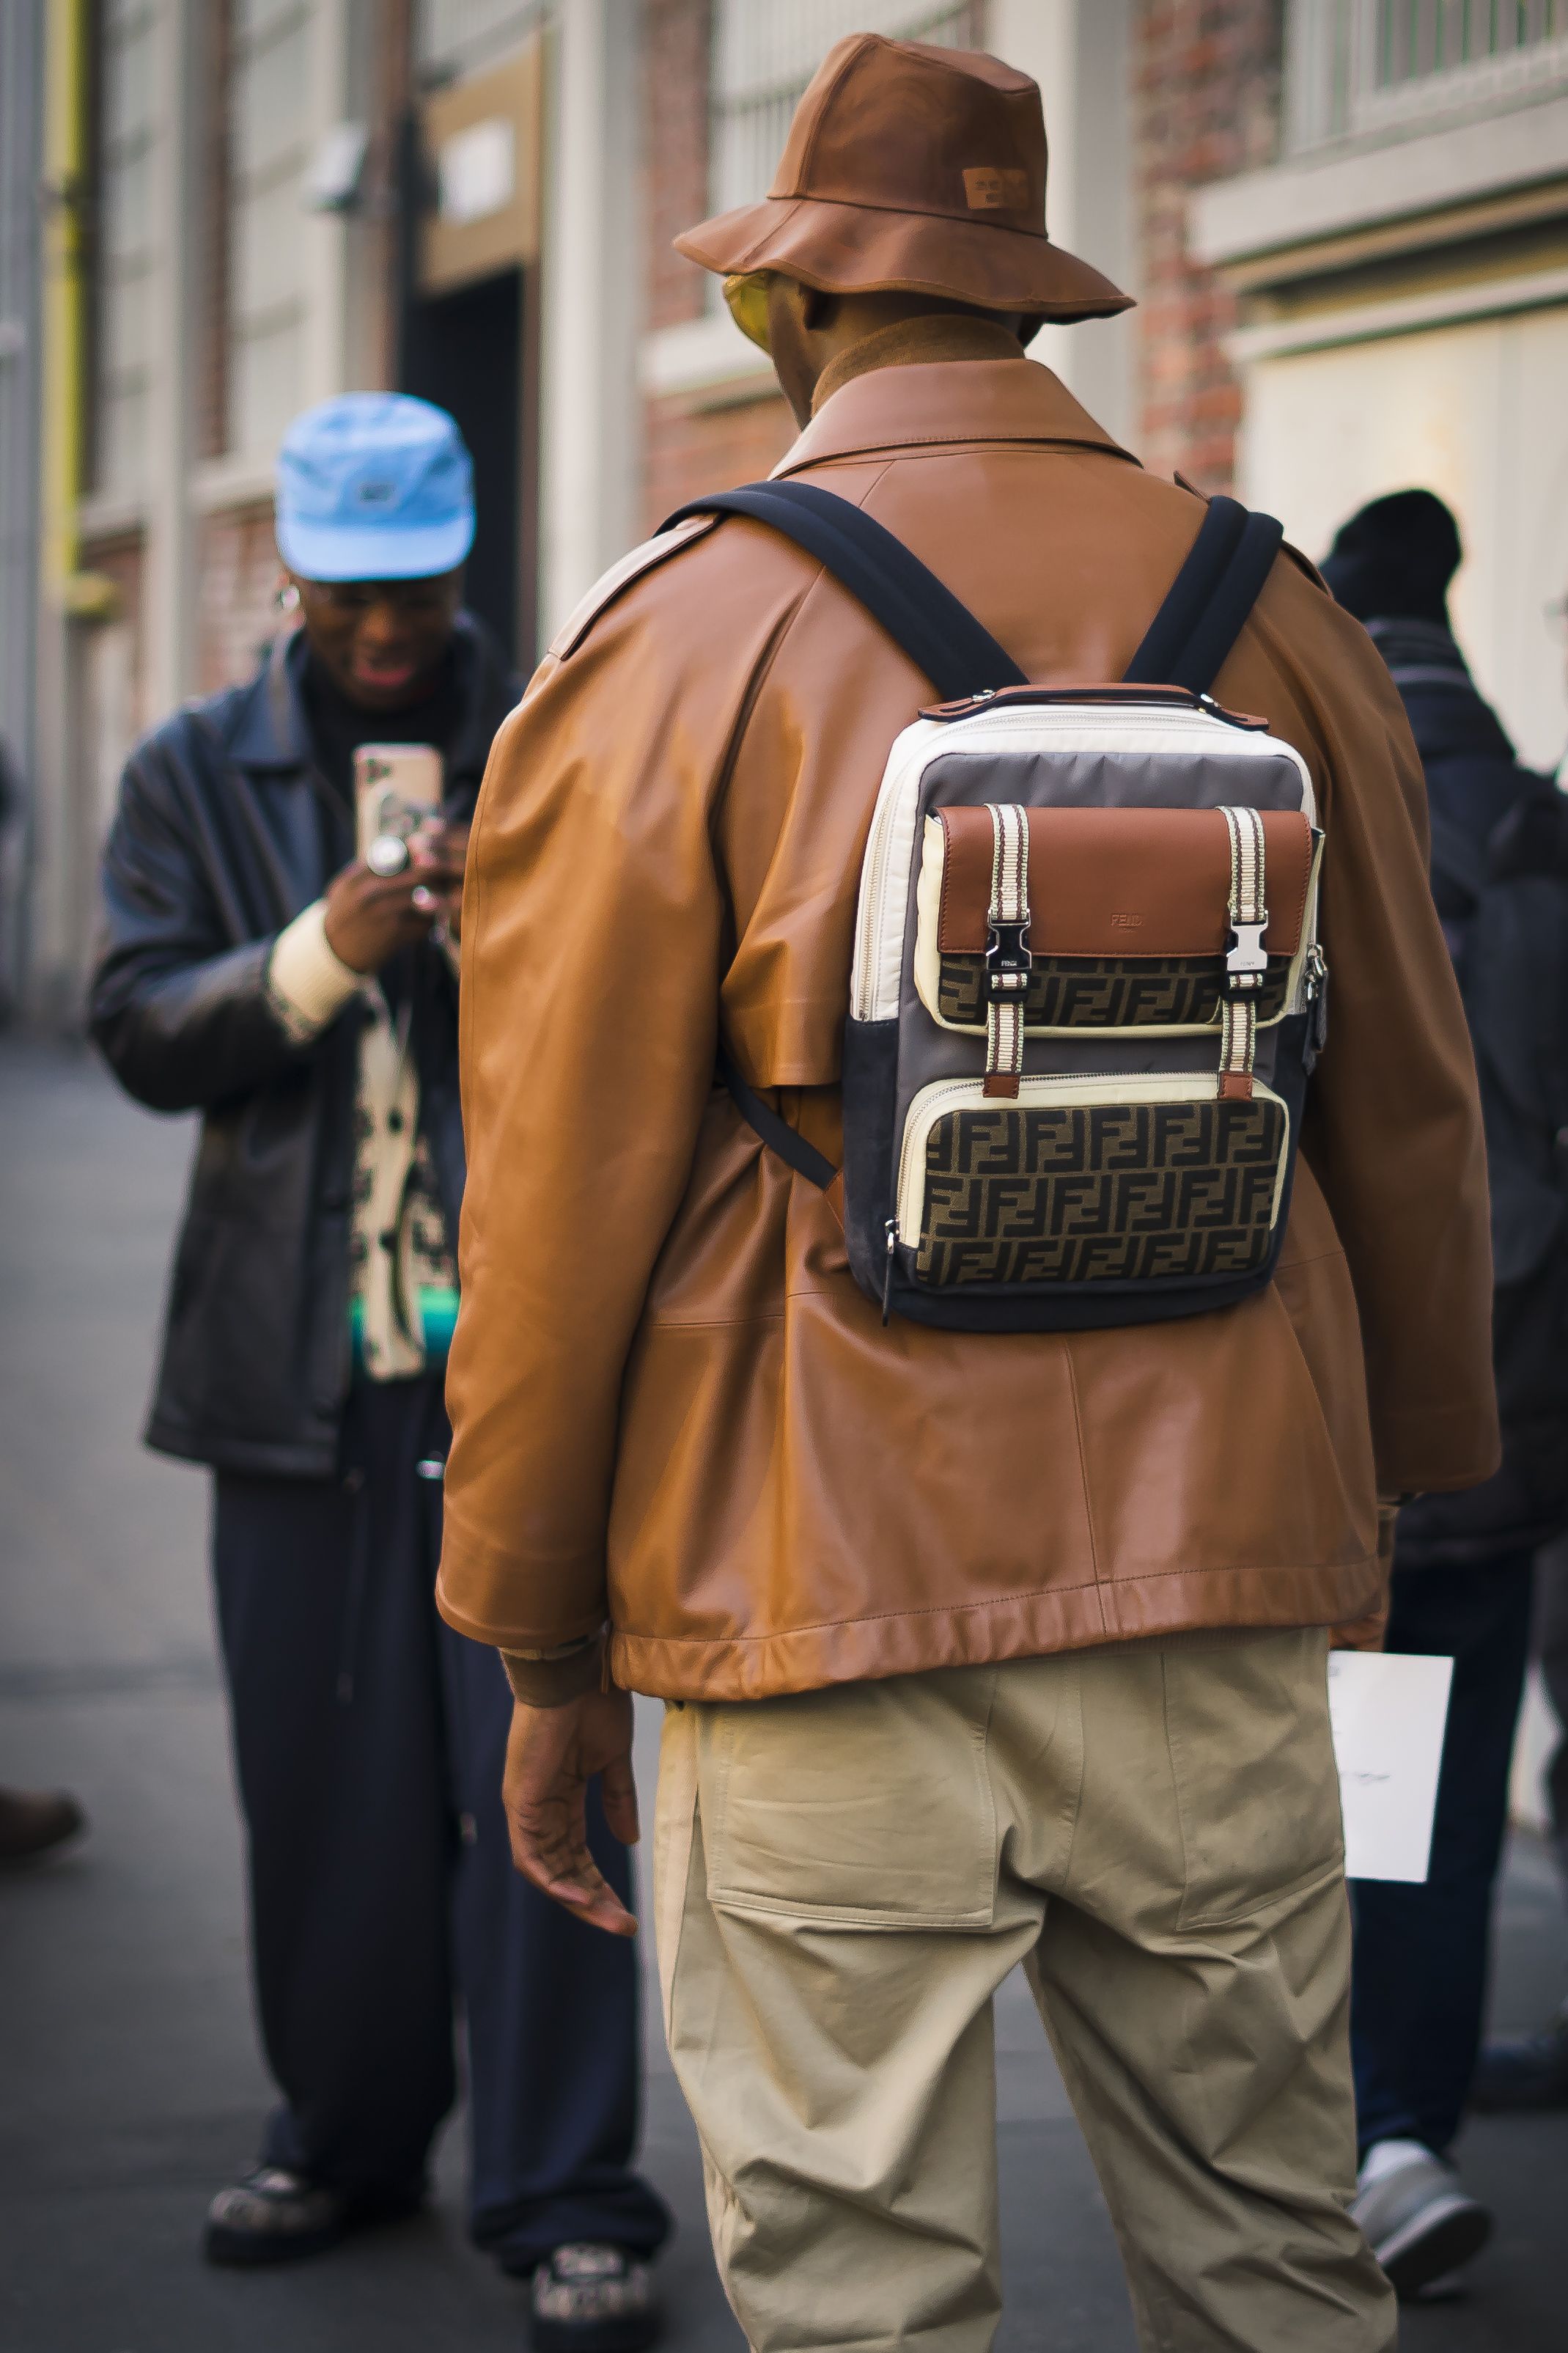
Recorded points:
(180, 1009)
(591, 926)
(1393, 1131)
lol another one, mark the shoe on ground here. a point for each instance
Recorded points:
(1420, 2221)
(33, 1823)
(592, 2299)
(273, 2217)
(1523, 2074)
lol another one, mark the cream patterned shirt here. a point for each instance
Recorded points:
(403, 1282)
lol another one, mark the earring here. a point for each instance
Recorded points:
(287, 598)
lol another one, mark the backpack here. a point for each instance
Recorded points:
(1086, 990)
(1503, 896)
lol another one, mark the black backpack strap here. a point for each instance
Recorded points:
(1185, 645)
(776, 1134)
(920, 614)
(1212, 594)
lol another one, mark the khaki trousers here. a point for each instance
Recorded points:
(842, 1880)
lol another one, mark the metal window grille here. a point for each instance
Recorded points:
(767, 51)
(268, 146)
(1359, 69)
(1417, 37)
(453, 37)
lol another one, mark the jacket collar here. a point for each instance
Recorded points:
(921, 403)
(271, 731)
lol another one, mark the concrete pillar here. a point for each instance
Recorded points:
(592, 275)
(1079, 51)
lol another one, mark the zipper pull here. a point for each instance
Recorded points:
(891, 1229)
(1316, 995)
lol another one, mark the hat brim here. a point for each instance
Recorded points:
(845, 248)
(337, 551)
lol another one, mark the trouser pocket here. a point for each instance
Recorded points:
(1257, 1789)
(867, 1804)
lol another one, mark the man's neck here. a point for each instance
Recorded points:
(926, 340)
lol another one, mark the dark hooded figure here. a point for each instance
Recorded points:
(1463, 1564)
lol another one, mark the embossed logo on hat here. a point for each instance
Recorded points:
(375, 493)
(992, 189)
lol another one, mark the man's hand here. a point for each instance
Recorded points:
(551, 1757)
(369, 917)
(447, 848)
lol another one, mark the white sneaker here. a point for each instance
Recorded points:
(1419, 2220)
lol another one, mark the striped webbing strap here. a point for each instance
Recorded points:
(1246, 962)
(1007, 947)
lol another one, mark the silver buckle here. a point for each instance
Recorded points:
(1246, 957)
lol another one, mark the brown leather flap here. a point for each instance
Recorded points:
(1124, 881)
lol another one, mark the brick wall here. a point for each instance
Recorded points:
(238, 571)
(677, 39)
(691, 445)
(702, 440)
(213, 259)
(1206, 106)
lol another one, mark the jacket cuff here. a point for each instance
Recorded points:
(307, 982)
(550, 1677)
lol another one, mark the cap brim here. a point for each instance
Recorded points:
(843, 249)
(335, 552)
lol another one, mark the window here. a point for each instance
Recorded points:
(767, 51)
(127, 131)
(269, 118)
(453, 37)
(1413, 39)
(1366, 69)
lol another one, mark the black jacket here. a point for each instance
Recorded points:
(227, 829)
(1499, 877)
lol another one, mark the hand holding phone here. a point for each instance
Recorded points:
(398, 888)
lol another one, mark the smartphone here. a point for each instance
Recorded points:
(397, 788)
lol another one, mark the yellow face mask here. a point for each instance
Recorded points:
(747, 298)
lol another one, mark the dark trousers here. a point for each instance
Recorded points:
(1418, 1992)
(369, 1742)
(1551, 1645)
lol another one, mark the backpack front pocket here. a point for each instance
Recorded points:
(1127, 928)
(1131, 1178)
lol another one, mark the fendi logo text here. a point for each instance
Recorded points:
(988, 189)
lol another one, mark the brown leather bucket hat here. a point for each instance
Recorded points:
(918, 169)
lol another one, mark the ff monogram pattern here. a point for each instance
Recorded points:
(1108, 992)
(1096, 1193)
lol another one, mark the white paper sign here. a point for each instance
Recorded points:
(477, 170)
(1389, 1711)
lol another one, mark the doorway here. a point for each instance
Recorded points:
(468, 352)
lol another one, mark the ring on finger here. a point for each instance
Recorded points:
(388, 855)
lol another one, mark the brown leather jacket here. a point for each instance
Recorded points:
(672, 1406)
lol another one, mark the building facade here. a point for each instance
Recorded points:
(1347, 222)
(1392, 280)
(721, 79)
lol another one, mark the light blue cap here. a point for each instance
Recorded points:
(374, 486)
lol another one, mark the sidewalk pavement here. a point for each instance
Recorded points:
(132, 2088)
